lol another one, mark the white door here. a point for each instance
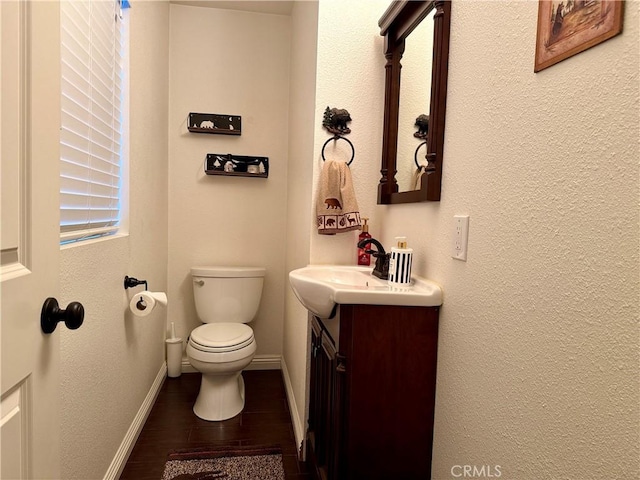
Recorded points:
(29, 137)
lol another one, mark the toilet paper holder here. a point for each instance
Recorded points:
(130, 282)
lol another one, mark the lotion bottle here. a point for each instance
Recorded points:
(400, 263)
(363, 257)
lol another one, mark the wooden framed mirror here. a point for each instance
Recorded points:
(420, 20)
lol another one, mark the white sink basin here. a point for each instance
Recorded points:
(320, 287)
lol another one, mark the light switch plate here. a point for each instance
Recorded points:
(460, 237)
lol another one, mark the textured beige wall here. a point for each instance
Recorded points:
(109, 364)
(225, 61)
(338, 74)
(538, 356)
(304, 26)
(350, 74)
(538, 359)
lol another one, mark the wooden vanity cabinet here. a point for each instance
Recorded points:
(372, 392)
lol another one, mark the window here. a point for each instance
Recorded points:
(93, 74)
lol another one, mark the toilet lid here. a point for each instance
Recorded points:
(221, 337)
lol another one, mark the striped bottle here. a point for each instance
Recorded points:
(400, 263)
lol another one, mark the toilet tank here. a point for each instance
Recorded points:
(227, 294)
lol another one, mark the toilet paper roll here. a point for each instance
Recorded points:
(160, 297)
(143, 303)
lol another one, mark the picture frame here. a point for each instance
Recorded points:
(568, 27)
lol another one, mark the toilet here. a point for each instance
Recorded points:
(226, 299)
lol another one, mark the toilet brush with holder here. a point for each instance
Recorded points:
(174, 354)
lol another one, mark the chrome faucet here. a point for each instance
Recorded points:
(381, 269)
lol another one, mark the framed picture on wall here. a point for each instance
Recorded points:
(567, 27)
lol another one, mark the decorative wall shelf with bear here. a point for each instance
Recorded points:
(215, 123)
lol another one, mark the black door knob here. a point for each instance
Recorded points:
(51, 314)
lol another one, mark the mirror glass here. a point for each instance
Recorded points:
(415, 93)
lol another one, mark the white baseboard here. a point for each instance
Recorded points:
(265, 362)
(298, 428)
(259, 362)
(122, 455)
(187, 367)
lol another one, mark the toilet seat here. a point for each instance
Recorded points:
(221, 337)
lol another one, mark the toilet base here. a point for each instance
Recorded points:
(221, 397)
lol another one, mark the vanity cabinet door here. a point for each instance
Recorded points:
(339, 433)
(372, 393)
(315, 434)
(324, 419)
(335, 411)
(391, 355)
(314, 401)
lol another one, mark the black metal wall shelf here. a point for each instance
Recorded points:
(215, 123)
(236, 165)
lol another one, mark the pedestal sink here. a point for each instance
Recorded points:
(320, 287)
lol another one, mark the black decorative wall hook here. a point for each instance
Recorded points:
(335, 121)
(422, 122)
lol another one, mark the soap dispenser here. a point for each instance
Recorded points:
(363, 257)
(400, 262)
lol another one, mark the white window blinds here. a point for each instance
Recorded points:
(91, 133)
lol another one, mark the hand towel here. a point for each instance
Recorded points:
(336, 204)
(416, 181)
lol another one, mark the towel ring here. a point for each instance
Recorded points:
(415, 156)
(335, 138)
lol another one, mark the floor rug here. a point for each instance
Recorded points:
(225, 463)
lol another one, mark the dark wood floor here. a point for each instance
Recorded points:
(172, 425)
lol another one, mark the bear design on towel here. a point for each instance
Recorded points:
(333, 203)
